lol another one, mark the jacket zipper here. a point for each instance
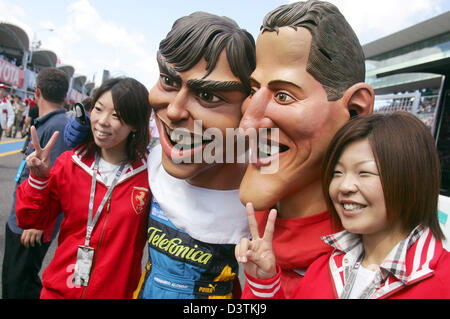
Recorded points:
(99, 243)
(332, 282)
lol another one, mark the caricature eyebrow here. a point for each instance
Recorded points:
(207, 85)
(284, 82)
(276, 82)
(211, 85)
(164, 67)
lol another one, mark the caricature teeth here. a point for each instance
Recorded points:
(183, 139)
(351, 207)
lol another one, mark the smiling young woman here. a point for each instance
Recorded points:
(102, 189)
(407, 164)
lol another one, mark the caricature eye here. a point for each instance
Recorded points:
(208, 97)
(284, 98)
(167, 81)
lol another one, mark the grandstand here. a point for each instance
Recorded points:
(20, 62)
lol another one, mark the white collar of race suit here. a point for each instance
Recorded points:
(208, 215)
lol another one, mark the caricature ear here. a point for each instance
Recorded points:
(359, 99)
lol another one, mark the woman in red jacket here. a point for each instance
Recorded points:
(102, 189)
(381, 183)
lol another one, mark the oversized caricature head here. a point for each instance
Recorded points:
(308, 81)
(205, 63)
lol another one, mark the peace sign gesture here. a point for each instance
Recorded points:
(39, 160)
(257, 254)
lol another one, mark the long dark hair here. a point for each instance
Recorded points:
(130, 98)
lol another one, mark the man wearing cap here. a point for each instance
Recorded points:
(6, 112)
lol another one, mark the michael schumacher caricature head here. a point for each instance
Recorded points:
(308, 82)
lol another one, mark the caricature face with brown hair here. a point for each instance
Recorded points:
(181, 98)
(285, 96)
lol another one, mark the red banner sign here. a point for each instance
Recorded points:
(11, 74)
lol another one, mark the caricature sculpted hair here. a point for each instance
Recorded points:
(206, 35)
(407, 161)
(336, 58)
(53, 84)
(130, 98)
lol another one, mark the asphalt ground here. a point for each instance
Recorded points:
(10, 159)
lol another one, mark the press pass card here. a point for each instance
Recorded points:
(85, 255)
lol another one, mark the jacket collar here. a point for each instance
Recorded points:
(410, 260)
(83, 157)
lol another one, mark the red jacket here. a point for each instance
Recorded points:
(118, 238)
(297, 244)
(425, 275)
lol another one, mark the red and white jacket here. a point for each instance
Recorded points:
(118, 238)
(417, 268)
(292, 257)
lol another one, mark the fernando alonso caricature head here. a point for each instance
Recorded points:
(205, 63)
(308, 81)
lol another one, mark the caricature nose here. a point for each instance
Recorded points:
(254, 110)
(177, 107)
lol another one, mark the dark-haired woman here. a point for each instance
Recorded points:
(102, 189)
(381, 183)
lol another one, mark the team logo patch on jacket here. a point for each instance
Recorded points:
(139, 197)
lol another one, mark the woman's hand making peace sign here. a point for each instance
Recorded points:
(257, 254)
(39, 161)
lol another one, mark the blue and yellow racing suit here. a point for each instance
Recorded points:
(181, 267)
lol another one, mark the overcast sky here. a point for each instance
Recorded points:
(123, 36)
